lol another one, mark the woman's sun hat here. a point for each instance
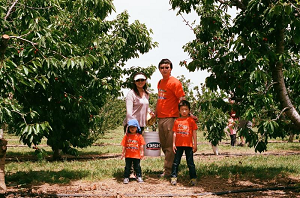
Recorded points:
(139, 76)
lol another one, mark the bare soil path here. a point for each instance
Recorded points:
(160, 187)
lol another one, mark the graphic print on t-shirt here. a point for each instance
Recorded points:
(132, 145)
(161, 94)
(183, 130)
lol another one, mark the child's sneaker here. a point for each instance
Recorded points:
(126, 181)
(193, 182)
(174, 181)
(140, 180)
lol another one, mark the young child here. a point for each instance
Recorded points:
(133, 150)
(184, 140)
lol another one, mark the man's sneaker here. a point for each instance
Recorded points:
(193, 182)
(140, 180)
(174, 181)
(126, 181)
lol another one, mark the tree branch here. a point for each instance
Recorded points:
(28, 41)
(297, 9)
(278, 116)
(235, 3)
(10, 9)
(187, 23)
(269, 86)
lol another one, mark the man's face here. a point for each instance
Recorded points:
(165, 70)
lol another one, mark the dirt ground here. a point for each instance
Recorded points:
(206, 187)
(160, 187)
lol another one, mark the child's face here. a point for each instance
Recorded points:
(184, 111)
(132, 129)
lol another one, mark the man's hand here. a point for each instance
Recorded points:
(174, 148)
(194, 117)
(195, 148)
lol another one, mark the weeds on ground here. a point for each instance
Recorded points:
(248, 167)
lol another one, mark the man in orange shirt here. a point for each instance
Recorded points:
(170, 93)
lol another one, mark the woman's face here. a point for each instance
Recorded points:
(140, 83)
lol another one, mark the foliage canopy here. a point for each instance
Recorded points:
(253, 57)
(62, 63)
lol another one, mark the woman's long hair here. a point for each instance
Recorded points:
(134, 87)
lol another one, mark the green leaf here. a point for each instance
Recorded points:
(25, 70)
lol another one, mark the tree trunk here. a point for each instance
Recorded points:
(291, 138)
(3, 46)
(279, 85)
(56, 154)
(3, 148)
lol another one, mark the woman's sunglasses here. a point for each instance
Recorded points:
(140, 80)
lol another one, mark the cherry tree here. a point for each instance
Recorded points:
(61, 62)
(253, 57)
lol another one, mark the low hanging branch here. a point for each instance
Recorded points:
(278, 116)
(3, 46)
(10, 9)
(20, 38)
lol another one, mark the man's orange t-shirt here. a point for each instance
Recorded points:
(132, 144)
(169, 93)
(184, 127)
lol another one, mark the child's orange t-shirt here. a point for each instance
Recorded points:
(132, 144)
(169, 93)
(184, 127)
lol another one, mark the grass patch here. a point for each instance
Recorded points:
(248, 167)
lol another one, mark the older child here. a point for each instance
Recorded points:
(133, 150)
(184, 140)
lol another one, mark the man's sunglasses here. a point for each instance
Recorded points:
(164, 68)
(140, 80)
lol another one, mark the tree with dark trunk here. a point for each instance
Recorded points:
(253, 57)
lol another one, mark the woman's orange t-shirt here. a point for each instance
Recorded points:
(184, 127)
(132, 144)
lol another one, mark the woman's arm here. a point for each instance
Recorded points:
(129, 106)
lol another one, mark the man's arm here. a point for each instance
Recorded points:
(194, 141)
(174, 145)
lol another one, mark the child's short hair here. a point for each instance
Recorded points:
(184, 103)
